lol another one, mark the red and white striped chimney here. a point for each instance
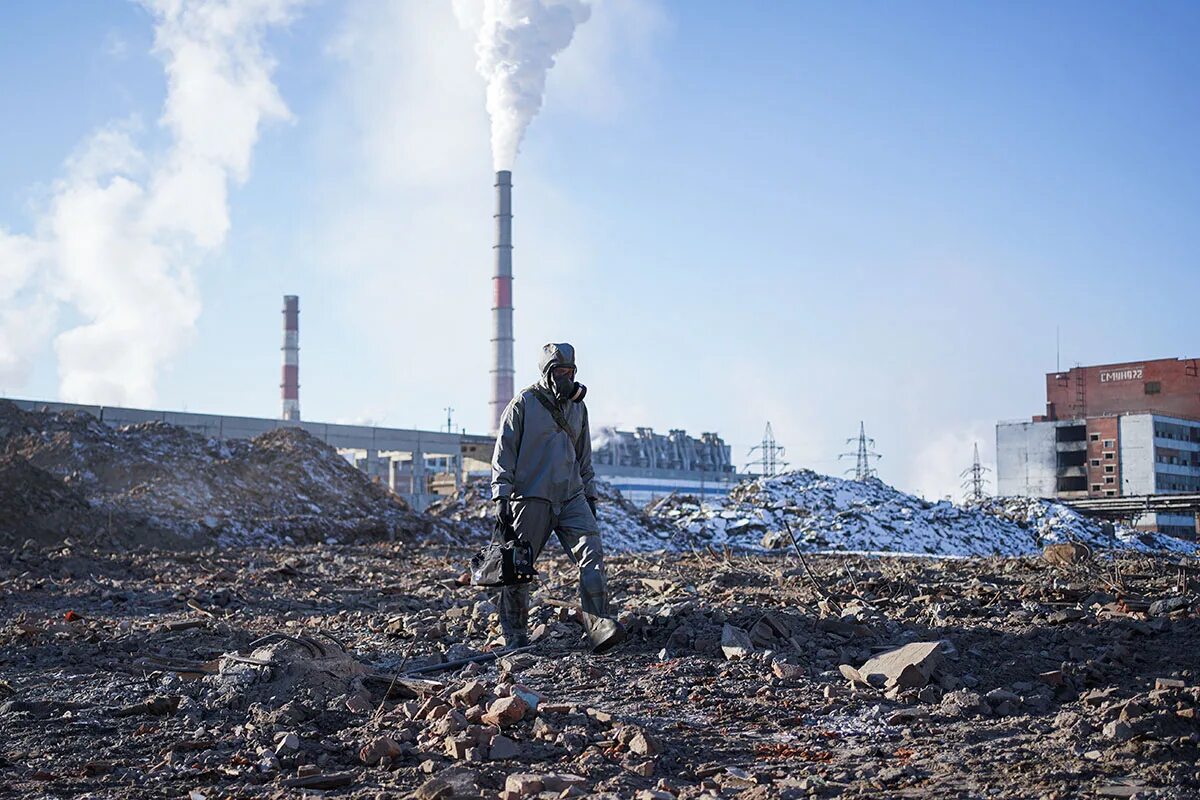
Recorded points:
(502, 308)
(290, 388)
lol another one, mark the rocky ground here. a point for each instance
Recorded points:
(293, 671)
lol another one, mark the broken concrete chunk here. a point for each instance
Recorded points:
(531, 698)
(505, 711)
(787, 671)
(644, 744)
(908, 667)
(735, 642)
(469, 694)
(378, 749)
(523, 784)
(1066, 553)
(1165, 606)
(503, 748)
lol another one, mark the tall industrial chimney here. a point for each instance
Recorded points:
(290, 388)
(502, 326)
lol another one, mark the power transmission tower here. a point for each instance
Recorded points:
(974, 480)
(862, 456)
(449, 424)
(769, 455)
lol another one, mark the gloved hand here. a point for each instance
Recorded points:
(504, 510)
(592, 505)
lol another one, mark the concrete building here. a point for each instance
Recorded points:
(1113, 430)
(646, 466)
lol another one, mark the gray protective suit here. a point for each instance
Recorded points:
(534, 458)
(548, 478)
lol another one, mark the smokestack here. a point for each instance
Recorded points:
(290, 388)
(502, 327)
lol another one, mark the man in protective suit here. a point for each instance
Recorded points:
(542, 481)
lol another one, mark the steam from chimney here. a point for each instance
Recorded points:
(518, 41)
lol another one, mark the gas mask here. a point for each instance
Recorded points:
(564, 385)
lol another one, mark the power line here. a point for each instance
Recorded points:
(863, 456)
(769, 455)
(974, 480)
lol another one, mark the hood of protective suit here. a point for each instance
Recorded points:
(559, 354)
(556, 355)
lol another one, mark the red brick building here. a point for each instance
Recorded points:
(1110, 431)
(1169, 386)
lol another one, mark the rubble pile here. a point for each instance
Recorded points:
(355, 670)
(827, 513)
(161, 484)
(623, 525)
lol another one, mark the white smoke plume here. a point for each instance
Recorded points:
(517, 44)
(123, 231)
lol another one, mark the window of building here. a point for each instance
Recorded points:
(1110, 493)
(1095, 487)
(1153, 387)
(1095, 437)
(1108, 442)
(1072, 483)
(1110, 456)
(1095, 462)
(1071, 433)
(1072, 458)
(1110, 479)
(1109, 468)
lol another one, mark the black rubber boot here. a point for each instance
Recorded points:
(605, 633)
(514, 615)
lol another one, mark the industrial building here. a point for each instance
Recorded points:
(1112, 430)
(646, 466)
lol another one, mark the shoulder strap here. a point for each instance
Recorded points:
(555, 412)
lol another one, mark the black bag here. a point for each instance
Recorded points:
(503, 563)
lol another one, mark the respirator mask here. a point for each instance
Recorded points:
(564, 385)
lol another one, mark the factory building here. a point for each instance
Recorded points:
(646, 466)
(1113, 430)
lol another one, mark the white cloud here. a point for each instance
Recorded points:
(935, 470)
(123, 231)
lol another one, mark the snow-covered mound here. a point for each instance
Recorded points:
(828, 513)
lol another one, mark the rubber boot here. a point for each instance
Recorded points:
(604, 632)
(514, 615)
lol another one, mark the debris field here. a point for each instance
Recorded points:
(183, 617)
(313, 670)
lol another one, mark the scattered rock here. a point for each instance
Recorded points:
(735, 642)
(907, 667)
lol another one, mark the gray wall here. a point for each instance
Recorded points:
(1136, 442)
(1026, 459)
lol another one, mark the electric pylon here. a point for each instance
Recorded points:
(974, 480)
(863, 456)
(769, 455)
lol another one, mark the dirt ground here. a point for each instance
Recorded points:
(273, 673)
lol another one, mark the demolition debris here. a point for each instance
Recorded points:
(256, 672)
(281, 626)
(69, 475)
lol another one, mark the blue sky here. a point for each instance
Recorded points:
(807, 213)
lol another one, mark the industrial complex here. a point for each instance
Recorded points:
(419, 465)
(1110, 431)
